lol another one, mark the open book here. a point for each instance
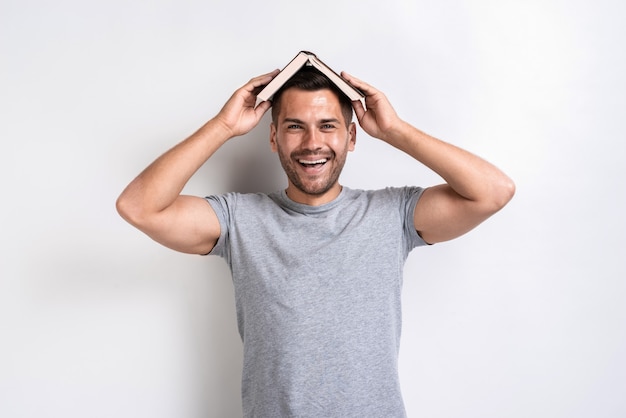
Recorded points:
(307, 58)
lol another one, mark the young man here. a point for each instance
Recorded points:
(317, 268)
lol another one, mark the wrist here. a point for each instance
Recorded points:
(397, 133)
(218, 129)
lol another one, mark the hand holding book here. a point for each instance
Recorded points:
(240, 115)
(377, 117)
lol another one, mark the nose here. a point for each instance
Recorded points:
(312, 140)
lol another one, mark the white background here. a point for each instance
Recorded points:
(524, 317)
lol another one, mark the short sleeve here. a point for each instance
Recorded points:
(221, 204)
(411, 197)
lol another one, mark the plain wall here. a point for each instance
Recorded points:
(523, 317)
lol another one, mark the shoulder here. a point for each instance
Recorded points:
(386, 203)
(387, 195)
(233, 200)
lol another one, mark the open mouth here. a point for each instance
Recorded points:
(312, 163)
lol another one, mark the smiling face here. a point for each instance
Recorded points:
(312, 140)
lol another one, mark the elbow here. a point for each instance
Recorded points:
(123, 207)
(496, 196)
(128, 209)
(502, 194)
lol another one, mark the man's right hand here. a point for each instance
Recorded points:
(239, 115)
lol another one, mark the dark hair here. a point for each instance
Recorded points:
(308, 78)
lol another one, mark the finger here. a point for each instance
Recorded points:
(359, 84)
(260, 81)
(262, 108)
(264, 79)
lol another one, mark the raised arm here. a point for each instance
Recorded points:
(152, 201)
(474, 189)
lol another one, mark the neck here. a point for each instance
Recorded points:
(304, 198)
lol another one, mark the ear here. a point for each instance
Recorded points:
(351, 136)
(273, 137)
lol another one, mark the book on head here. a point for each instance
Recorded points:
(308, 58)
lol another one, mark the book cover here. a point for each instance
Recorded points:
(308, 58)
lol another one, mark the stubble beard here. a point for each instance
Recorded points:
(317, 185)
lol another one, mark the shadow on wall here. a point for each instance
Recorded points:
(247, 164)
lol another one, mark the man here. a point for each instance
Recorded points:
(317, 268)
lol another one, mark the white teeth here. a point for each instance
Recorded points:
(321, 161)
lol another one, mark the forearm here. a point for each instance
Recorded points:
(470, 176)
(158, 186)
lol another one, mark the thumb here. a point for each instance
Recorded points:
(262, 107)
(359, 109)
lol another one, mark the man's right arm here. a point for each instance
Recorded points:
(152, 201)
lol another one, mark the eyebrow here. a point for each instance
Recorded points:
(293, 120)
(322, 121)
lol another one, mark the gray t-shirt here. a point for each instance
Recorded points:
(317, 292)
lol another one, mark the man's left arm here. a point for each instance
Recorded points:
(474, 189)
